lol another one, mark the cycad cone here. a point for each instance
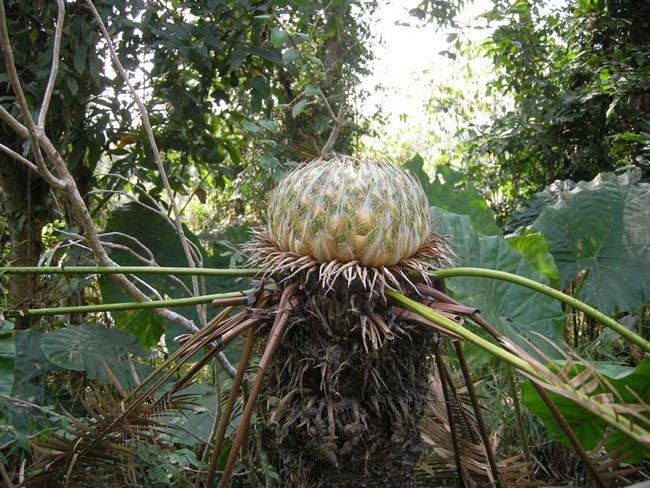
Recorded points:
(350, 209)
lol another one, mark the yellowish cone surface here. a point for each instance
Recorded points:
(349, 209)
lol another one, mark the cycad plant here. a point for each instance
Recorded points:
(345, 395)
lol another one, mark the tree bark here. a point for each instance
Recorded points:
(25, 198)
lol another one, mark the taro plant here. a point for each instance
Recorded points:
(344, 344)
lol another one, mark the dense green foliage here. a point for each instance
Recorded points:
(553, 188)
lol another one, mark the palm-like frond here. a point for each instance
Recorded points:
(439, 467)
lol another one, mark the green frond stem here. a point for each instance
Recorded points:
(115, 307)
(141, 270)
(547, 290)
(606, 413)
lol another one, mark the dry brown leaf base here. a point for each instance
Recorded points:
(265, 253)
(346, 392)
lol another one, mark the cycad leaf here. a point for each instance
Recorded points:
(632, 386)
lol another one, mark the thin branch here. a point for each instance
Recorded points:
(161, 169)
(338, 124)
(143, 192)
(152, 258)
(25, 403)
(22, 103)
(146, 285)
(55, 64)
(18, 157)
(133, 199)
(10, 120)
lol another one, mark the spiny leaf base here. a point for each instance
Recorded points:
(289, 265)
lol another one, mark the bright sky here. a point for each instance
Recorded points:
(408, 61)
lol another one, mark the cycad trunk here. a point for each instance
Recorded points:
(340, 409)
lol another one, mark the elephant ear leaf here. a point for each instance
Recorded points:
(603, 227)
(93, 348)
(516, 312)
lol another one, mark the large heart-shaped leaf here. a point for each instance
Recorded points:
(87, 347)
(603, 226)
(515, 311)
(531, 208)
(449, 190)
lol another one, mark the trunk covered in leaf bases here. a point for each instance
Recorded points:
(343, 400)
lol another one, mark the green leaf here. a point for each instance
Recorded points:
(630, 385)
(237, 57)
(83, 347)
(312, 91)
(261, 85)
(251, 127)
(449, 192)
(73, 86)
(144, 325)
(269, 125)
(533, 245)
(7, 356)
(515, 311)
(278, 37)
(603, 226)
(298, 108)
(290, 55)
(79, 59)
(269, 162)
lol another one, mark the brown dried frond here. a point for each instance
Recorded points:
(77, 455)
(286, 265)
(439, 467)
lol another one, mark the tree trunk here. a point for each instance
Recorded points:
(338, 411)
(24, 196)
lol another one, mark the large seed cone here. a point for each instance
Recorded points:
(342, 403)
(349, 209)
